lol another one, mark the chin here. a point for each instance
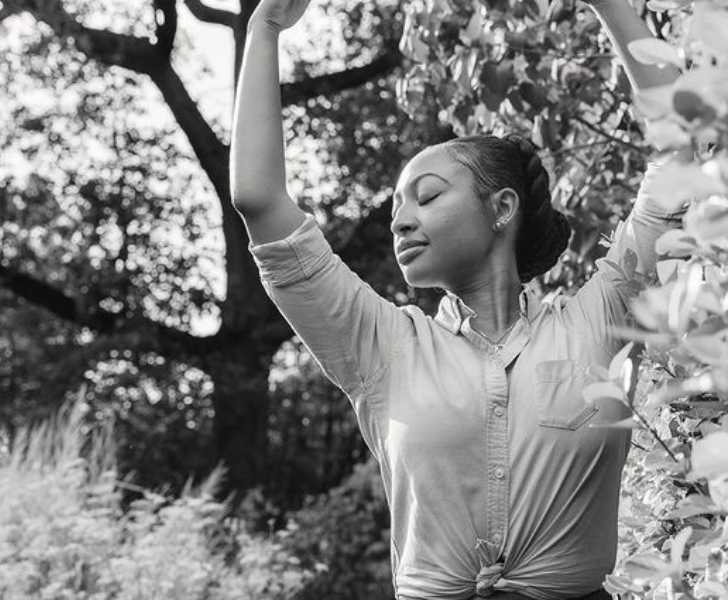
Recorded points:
(417, 278)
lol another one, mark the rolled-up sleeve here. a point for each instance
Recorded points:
(603, 301)
(349, 329)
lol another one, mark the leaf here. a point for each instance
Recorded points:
(473, 33)
(652, 51)
(699, 554)
(709, 82)
(410, 89)
(462, 66)
(708, 220)
(710, 456)
(711, 590)
(682, 299)
(618, 584)
(718, 488)
(665, 133)
(678, 547)
(649, 566)
(410, 44)
(668, 269)
(602, 389)
(711, 348)
(628, 423)
(655, 103)
(690, 506)
(651, 307)
(692, 106)
(709, 25)
(675, 243)
(597, 372)
(709, 300)
(658, 340)
(672, 184)
(617, 363)
(662, 5)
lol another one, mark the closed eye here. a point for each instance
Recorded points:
(426, 200)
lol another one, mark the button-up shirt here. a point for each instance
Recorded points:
(494, 478)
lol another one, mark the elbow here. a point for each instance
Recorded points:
(252, 202)
(246, 200)
(241, 202)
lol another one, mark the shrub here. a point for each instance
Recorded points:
(63, 533)
(531, 67)
(346, 529)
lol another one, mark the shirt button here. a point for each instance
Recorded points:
(500, 473)
(497, 538)
(498, 411)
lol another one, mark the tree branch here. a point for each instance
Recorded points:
(165, 17)
(205, 13)
(128, 51)
(300, 91)
(139, 55)
(609, 136)
(100, 320)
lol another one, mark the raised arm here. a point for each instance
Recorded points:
(623, 26)
(604, 299)
(257, 163)
(350, 330)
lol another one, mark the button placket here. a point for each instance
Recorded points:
(496, 432)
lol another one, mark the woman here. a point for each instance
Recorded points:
(496, 485)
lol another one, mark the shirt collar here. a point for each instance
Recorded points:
(453, 312)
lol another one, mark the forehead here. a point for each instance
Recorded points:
(434, 159)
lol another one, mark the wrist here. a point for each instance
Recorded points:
(262, 26)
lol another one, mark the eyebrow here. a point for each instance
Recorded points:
(417, 178)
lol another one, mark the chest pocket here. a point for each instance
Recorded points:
(559, 385)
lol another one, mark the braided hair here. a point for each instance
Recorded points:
(513, 161)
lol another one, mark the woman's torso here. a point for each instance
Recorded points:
(488, 458)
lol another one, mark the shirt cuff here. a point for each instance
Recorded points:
(647, 204)
(294, 258)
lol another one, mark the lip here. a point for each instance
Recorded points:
(409, 252)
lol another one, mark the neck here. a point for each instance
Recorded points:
(495, 300)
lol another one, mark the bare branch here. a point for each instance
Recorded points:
(607, 135)
(208, 14)
(299, 91)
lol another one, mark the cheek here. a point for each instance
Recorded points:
(462, 235)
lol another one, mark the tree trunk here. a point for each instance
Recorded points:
(241, 406)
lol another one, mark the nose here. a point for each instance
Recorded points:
(404, 220)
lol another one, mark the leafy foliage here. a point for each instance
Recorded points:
(527, 65)
(545, 70)
(347, 529)
(63, 533)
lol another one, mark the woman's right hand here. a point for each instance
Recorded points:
(279, 14)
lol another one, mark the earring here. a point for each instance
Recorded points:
(498, 225)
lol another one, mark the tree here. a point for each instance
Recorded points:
(104, 298)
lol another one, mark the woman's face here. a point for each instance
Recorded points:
(437, 214)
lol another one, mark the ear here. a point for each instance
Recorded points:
(505, 203)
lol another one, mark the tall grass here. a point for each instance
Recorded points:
(63, 533)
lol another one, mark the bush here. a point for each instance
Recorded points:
(347, 529)
(532, 68)
(63, 533)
